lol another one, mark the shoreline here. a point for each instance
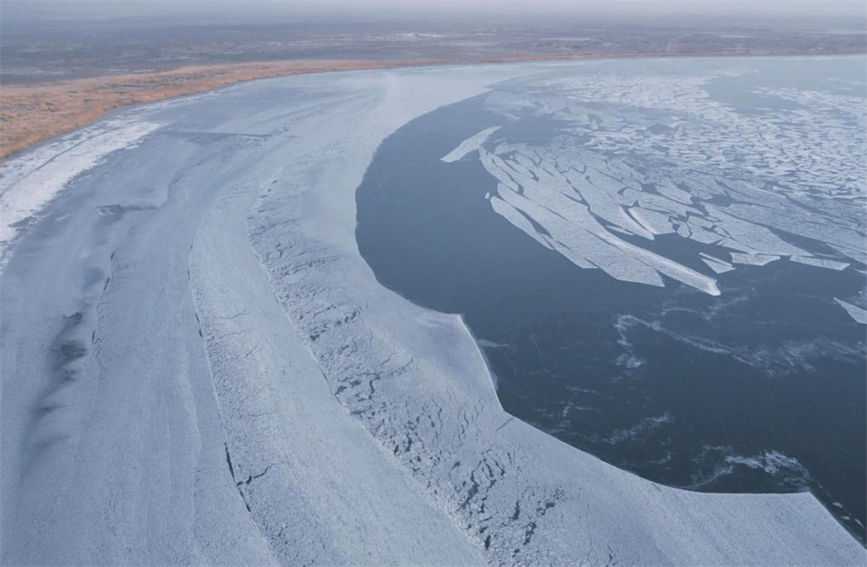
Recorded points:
(33, 113)
(358, 324)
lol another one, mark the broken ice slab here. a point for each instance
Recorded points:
(857, 313)
(715, 264)
(753, 259)
(668, 189)
(584, 242)
(577, 235)
(518, 220)
(748, 236)
(820, 262)
(654, 221)
(469, 145)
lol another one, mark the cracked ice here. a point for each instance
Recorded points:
(642, 156)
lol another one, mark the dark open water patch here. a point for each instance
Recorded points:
(759, 390)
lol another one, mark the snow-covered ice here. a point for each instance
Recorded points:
(30, 181)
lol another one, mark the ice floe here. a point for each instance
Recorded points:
(820, 262)
(715, 264)
(753, 259)
(646, 156)
(859, 314)
(469, 145)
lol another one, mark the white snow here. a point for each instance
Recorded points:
(30, 181)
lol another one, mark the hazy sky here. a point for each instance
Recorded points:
(89, 8)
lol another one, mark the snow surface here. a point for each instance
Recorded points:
(201, 368)
(30, 181)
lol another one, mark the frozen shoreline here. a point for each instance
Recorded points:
(317, 400)
(514, 487)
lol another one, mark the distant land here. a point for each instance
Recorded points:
(57, 77)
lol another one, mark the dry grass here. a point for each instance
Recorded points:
(30, 114)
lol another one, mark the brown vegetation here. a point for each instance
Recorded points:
(30, 114)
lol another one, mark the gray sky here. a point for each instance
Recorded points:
(90, 8)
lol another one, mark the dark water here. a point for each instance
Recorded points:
(759, 390)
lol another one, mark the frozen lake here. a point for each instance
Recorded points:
(662, 260)
(199, 367)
